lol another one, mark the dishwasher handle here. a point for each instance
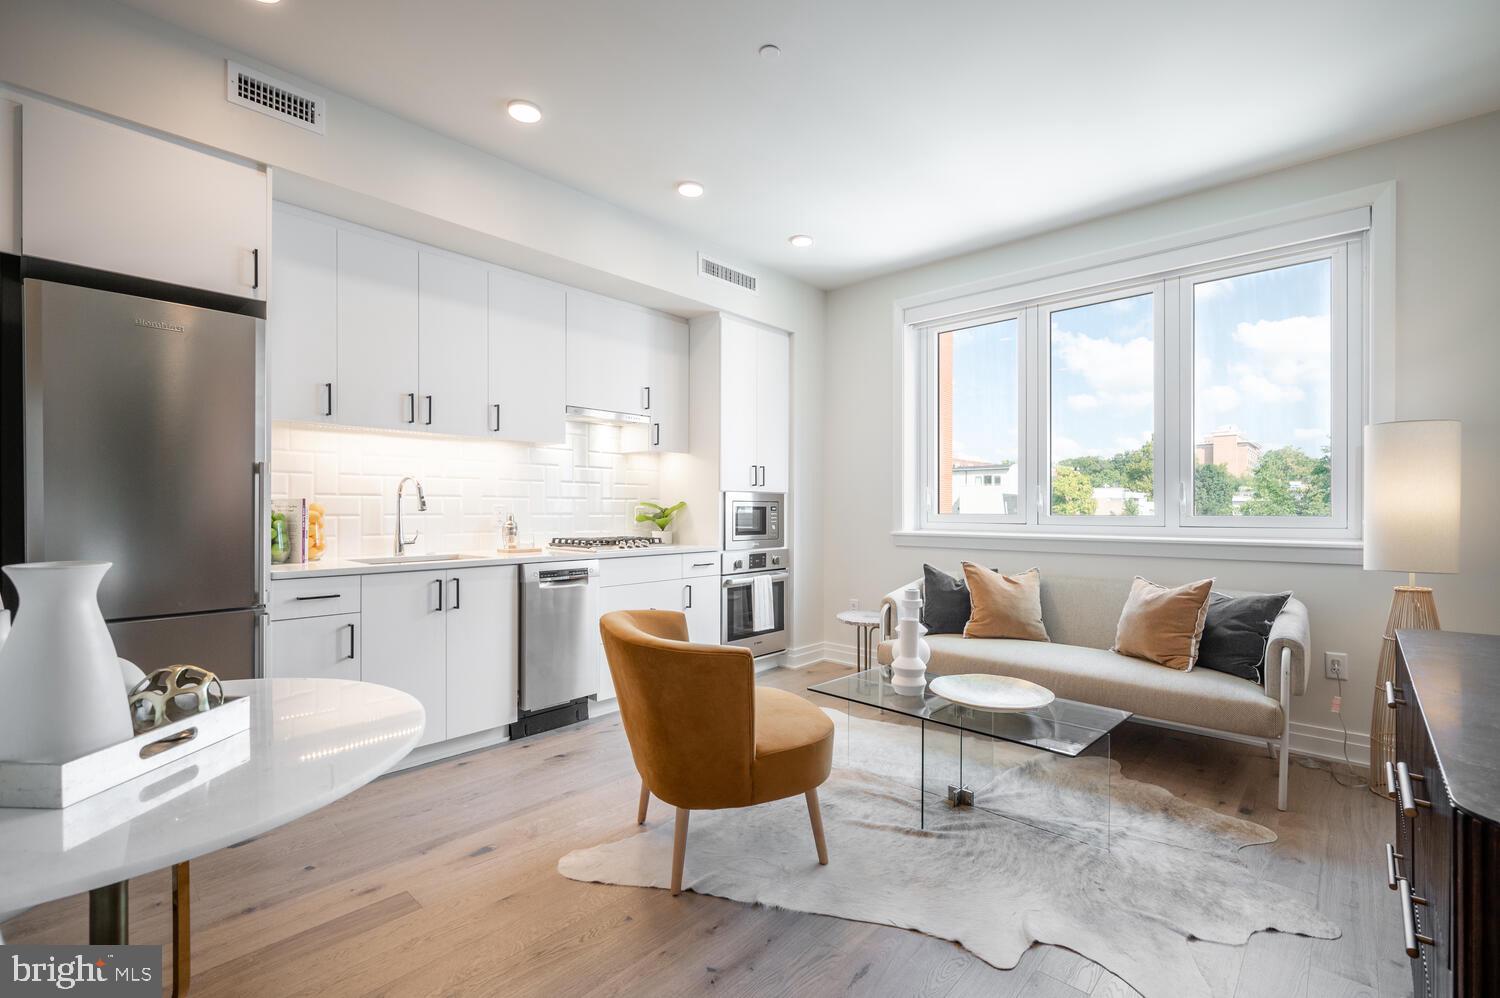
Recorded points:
(562, 584)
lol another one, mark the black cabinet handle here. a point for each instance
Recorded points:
(319, 596)
(655, 434)
(457, 593)
(442, 589)
(255, 261)
(496, 407)
(687, 597)
(351, 641)
(429, 409)
(328, 398)
(411, 407)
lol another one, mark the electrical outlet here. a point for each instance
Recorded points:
(1336, 665)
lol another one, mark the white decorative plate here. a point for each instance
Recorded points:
(991, 692)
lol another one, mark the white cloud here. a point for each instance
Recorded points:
(1219, 398)
(1292, 350)
(1209, 290)
(1311, 434)
(1117, 373)
(1258, 388)
(1066, 447)
(1083, 401)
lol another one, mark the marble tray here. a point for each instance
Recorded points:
(985, 692)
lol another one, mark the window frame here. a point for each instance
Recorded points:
(928, 432)
(1345, 236)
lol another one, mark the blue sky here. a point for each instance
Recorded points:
(1263, 356)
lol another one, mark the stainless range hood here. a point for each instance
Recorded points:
(583, 414)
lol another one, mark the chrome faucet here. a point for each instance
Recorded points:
(402, 541)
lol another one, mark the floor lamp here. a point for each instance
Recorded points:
(1411, 499)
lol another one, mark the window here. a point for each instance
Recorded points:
(1207, 400)
(978, 419)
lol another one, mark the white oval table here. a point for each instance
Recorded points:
(310, 742)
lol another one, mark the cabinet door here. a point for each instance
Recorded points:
(669, 385)
(738, 470)
(101, 195)
(482, 616)
(302, 327)
(324, 647)
(528, 335)
(608, 349)
(665, 595)
(453, 345)
(773, 408)
(377, 348)
(700, 602)
(405, 641)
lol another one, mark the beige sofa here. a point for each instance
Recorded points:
(1081, 614)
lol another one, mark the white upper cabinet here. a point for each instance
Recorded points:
(101, 195)
(453, 345)
(668, 380)
(755, 399)
(302, 324)
(773, 408)
(527, 358)
(609, 345)
(378, 353)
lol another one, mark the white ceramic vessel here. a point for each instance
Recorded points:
(60, 681)
(909, 667)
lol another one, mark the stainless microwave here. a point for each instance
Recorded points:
(753, 520)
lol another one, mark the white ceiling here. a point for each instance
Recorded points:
(892, 131)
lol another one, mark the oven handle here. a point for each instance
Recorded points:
(733, 581)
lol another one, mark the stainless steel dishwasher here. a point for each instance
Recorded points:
(559, 644)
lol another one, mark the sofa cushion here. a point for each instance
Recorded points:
(1162, 624)
(1236, 631)
(1004, 606)
(945, 602)
(1092, 675)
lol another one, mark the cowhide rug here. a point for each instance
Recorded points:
(1171, 873)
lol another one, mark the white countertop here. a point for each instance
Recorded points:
(345, 566)
(311, 741)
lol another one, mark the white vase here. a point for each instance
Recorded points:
(60, 681)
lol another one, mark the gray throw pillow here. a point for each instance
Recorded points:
(945, 608)
(1236, 631)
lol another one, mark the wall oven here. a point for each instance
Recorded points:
(756, 598)
(753, 520)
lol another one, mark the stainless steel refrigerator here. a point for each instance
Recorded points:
(142, 437)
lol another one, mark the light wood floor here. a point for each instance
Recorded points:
(442, 881)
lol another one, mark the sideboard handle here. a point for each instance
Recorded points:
(1414, 940)
(1391, 700)
(1392, 874)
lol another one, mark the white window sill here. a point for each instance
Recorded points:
(1276, 550)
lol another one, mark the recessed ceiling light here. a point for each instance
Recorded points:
(270, 1)
(766, 51)
(524, 111)
(801, 240)
(690, 189)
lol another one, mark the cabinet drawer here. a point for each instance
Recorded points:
(694, 565)
(325, 647)
(631, 571)
(292, 598)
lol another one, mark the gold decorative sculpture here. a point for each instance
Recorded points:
(173, 692)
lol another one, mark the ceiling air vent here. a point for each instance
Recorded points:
(708, 267)
(268, 95)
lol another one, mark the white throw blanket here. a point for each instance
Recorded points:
(762, 604)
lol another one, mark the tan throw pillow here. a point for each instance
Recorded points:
(1004, 606)
(1163, 625)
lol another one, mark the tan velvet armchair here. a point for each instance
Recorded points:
(702, 734)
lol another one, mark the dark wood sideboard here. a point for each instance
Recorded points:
(1444, 866)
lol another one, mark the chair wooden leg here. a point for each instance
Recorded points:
(816, 817)
(640, 814)
(679, 849)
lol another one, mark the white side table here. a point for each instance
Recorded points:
(865, 623)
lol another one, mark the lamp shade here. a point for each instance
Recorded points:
(1411, 496)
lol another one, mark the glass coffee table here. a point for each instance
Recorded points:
(1049, 767)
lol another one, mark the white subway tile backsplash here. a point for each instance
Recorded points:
(582, 486)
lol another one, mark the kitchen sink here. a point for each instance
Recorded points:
(417, 559)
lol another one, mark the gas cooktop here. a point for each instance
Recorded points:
(624, 542)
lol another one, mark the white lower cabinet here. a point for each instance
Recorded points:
(406, 640)
(323, 647)
(482, 649)
(697, 598)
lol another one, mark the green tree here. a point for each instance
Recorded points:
(1288, 482)
(1130, 507)
(1072, 492)
(1098, 470)
(1136, 469)
(1213, 490)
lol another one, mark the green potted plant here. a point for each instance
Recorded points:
(659, 516)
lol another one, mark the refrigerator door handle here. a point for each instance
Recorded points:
(258, 646)
(262, 524)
